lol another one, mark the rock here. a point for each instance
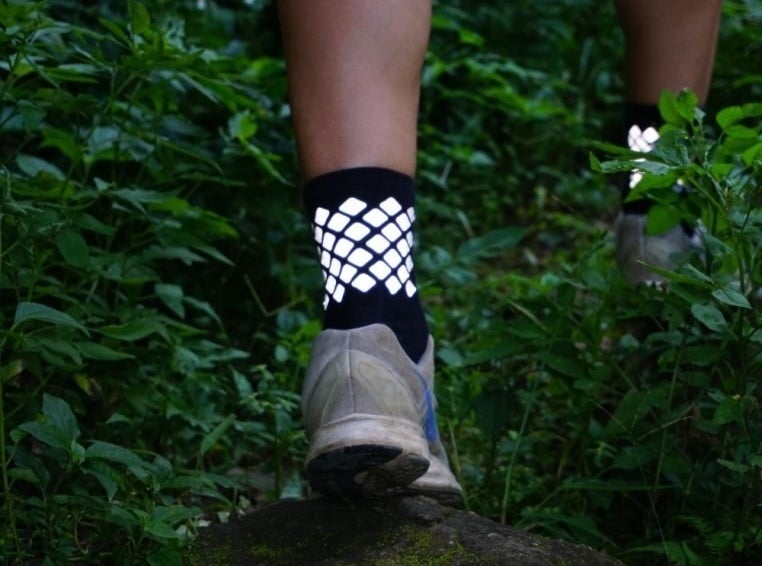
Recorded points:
(414, 531)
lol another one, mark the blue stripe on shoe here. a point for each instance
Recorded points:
(429, 418)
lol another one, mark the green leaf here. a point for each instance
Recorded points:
(118, 418)
(668, 108)
(215, 253)
(686, 104)
(204, 307)
(242, 126)
(490, 244)
(693, 273)
(265, 160)
(709, 316)
(105, 479)
(97, 351)
(59, 345)
(34, 166)
(738, 468)
(730, 116)
(113, 453)
(61, 140)
(60, 416)
(174, 513)
(731, 296)
(59, 429)
(661, 218)
(11, 370)
(161, 530)
(116, 31)
(653, 167)
(172, 296)
(752, 155)
(134, 330)
(564, 365)
(25, 459)
(35, 311)
(703, 355)
(140, 19)
(595, 163)
(73, 248)
(743, 132)
(211, 439)
(632, 408)
(728, 410)
(162, 520)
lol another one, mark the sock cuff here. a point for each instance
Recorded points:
(642, 115)
(372, 185)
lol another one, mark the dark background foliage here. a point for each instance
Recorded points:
(158, 290)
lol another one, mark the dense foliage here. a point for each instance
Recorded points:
(158, 290)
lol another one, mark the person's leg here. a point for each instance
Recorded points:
(354, 77)
(670, 46)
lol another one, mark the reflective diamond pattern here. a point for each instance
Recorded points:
(642, 141)
(362, 247)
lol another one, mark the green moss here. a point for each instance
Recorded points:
(424, 550)
(195, 556)
(262, 550)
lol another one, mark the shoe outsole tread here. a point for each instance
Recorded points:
(364, 470)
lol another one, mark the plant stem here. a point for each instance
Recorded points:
(11, 520)
(509, 472)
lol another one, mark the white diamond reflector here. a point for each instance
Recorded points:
(378, 243)
(321, 215)
(357, 231)
(362, 246)
(375, 217)
(363, 282)
(380, 270)
(642, 141)
(352, 206)
(390, 206)
(337, 222)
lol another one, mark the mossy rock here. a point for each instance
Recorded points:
(412, 531)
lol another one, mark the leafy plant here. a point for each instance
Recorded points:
(159, 291)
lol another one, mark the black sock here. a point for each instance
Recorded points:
(362, 220)
(641, 122)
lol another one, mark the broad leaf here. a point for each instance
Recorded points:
(35, 311)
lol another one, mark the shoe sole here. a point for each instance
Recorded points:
(364, 471)
(366, 455)
(446, 496)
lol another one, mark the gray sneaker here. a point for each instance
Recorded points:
(369, 414)
(634, 248)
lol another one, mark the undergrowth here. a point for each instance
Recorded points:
(158, 290)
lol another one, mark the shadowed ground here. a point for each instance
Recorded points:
(415, 531)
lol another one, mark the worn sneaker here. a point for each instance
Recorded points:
(369, 414)
(635, 250)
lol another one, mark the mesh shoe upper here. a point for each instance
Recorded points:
(635, 248)
(362, 389)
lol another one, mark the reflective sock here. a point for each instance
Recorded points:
(362, 220)
(642, 123)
